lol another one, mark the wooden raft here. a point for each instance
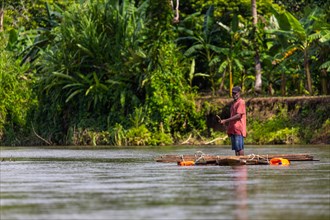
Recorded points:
(204, 159)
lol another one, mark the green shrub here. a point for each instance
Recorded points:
(16, 96)
(160, 139)
(138, 136)
(322, 135)
(275, 130)
(118, 135)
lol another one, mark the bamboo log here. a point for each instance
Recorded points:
(233, 161)
(213, 158)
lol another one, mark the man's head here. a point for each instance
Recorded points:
(236, 92)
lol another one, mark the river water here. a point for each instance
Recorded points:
(126, 183)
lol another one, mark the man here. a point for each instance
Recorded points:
(237, 122)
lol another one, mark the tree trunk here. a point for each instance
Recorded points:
(254, 12)
(283, 84)
(222, 82)
(2, 13)
(308, 74)
(324, 82)
(176, 18)
(230, 79)
(257, 66)
(270, 89)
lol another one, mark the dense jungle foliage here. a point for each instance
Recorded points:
(136, 72)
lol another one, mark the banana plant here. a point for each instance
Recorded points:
(193, 74)
(204, 46)
(37, 39)
(257, 65)
(301, 36)
(233, 54)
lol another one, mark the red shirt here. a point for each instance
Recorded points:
(238, 126)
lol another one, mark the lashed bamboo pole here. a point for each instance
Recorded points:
(209, 158)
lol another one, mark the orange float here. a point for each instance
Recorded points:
(279, 162)
(186, 163)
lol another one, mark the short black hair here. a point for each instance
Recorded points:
(236, 89)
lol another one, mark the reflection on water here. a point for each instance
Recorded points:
(125, 183)
(240, 184)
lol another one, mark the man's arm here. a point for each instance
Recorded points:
(233, 118)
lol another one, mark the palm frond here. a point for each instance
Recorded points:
(215, 61)
(72, 85)
(326, 66)
(73, 94)
(223, 66)
(296, 26)
(324, 36)
(239, 64)
(193, 49)
(208, 21)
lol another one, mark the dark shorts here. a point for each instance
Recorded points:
(237, 142)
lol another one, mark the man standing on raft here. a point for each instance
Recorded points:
(236, 129)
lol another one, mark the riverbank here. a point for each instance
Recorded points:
(270, 120)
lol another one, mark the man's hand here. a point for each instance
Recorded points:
(220, 120)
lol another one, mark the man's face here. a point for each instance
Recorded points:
(235, 95)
